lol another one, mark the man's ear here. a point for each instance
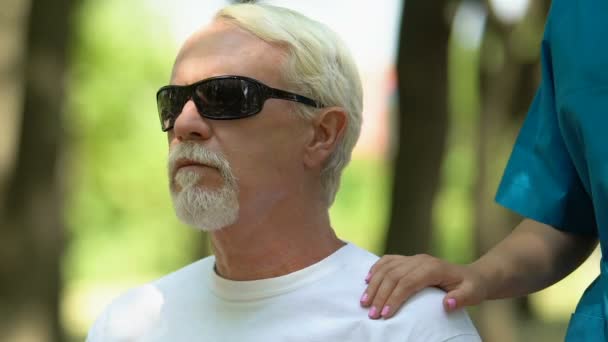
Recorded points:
(328, 128)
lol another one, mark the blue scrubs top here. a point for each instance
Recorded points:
(558, 170)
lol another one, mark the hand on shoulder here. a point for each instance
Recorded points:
(395, 278)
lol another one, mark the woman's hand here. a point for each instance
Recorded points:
(395, 278)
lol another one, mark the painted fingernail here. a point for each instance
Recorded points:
(364, 298)
(385, 311)
(372, 312)
(369, 276)
(451, 303)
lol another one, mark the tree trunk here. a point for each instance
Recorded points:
(423, 123)
(32, 238)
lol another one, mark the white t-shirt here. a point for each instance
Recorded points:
(318, 303)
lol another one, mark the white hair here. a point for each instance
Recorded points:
(318, 66)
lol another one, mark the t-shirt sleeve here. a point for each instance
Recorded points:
(96, 332)
(429, 322)
(540, 181)
(132, 316)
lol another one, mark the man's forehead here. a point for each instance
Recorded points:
(219, 34)
(224, 48)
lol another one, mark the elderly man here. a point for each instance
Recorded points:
(263, 111)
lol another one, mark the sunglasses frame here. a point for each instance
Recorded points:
(267, 92)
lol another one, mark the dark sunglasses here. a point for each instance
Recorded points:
(221, 98)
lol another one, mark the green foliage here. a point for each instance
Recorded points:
(453, 211)
(119, 211)
(361, 209)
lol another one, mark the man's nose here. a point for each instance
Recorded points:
(190, 125)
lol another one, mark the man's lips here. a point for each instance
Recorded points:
(185, 163)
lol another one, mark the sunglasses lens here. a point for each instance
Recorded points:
(170, 101)
(228, 98)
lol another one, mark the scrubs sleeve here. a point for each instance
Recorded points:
(540, 181)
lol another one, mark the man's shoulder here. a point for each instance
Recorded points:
(178, 282)
(196, 272)
(424, 308)
(137, 310)
(350, 264)
(425, 314)
(357, 259)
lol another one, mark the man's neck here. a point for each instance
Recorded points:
(272, 249)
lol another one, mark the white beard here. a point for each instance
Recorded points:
(204, 209)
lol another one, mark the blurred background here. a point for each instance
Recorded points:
(85, 211)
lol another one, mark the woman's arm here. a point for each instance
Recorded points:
(533, 256)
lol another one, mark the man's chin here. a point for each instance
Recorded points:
(206, 223)
(204, 228)
(207, 214)
(209, 226)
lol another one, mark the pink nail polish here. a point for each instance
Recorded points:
(369, 276)
(364, 298)
(385, 310)
(372, 312)
(451, 303)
